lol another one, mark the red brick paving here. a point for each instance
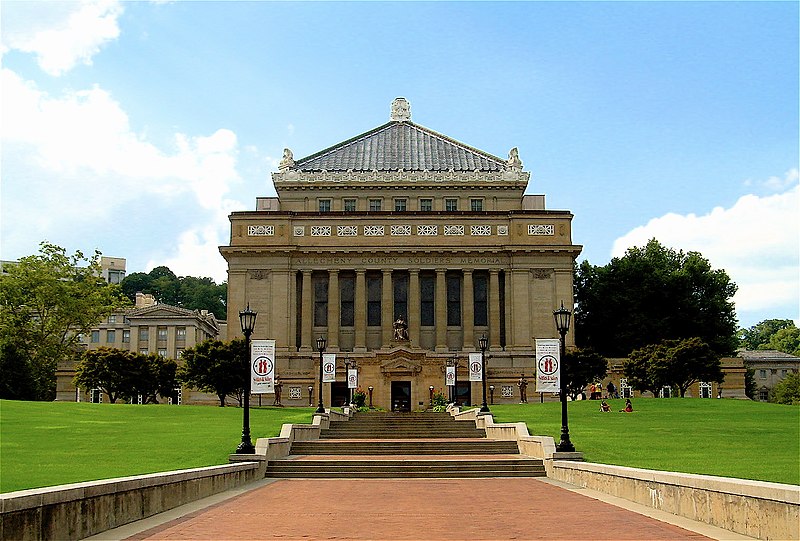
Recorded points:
(418, 509)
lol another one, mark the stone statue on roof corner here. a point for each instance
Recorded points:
(401, 110)
(287, 162)
(514, 163)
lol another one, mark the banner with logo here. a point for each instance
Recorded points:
(352, 378)
(328, 367)
(450, 376)
(262, 366)
(548, 365)
(475, 367)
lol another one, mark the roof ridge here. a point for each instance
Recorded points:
(456, 142)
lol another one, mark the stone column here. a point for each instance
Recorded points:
(387, 317)
(440, 310)
(306, 305)
(360, 307)
(468, 323)
(333, 310)
(494, 309)
(413, 307)
(519, 336)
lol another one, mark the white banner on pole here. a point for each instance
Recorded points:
(262, 366)
(352, 378)
(475, 367)
(450, 376)
(328, 367)
(548, 365)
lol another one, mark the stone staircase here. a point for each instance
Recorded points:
(404, 445)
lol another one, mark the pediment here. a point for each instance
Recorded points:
(400, 366)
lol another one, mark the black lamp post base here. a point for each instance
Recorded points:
(245, 448)
(320, 409)
(565, 447)
(485, 409)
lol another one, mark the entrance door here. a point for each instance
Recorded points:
(463, 397)
(340, 394)
(401, 396)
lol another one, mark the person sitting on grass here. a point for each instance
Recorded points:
(628, 406)
(605, 407)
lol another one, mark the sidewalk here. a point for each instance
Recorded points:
(418, 509)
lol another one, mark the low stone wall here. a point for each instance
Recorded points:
(280, 446)
(79, 510)
(754, 508)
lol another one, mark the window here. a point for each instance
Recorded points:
(162, 333)
(347, 288)
(112, 318)
(453, 300)
(324, 205)
(480, 299)
(144, 351)
(95, 337)
(126, 336)
(763, 395)
(426, 205)
(784, 372)
(762, 374)
(162, 352)
(427, 285)
(374, 205)
(115, 277)
(349, 205)
(180, 333)
(320, 285)
(451, 205)
(401, 296)
(374, 283)
(178, 353)
(705, 389)
(476, 205)
(144, 334)
(400, 205)
(111, 336)
(96, 396)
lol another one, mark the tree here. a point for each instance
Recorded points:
(651, 294)
(759, 334)
(674, 363)
(187, 291)
(750, 383)
(106, 369)
(47, 301)
(787, 391)
(786, 340)
(581, 367)
(215, 367)
(17, 382)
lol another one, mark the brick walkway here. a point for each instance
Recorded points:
(419, 509)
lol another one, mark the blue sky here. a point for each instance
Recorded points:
(136, 128)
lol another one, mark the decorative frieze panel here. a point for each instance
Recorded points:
(451, 230)
(260, 230)
(506, 391)
(542, 274)
(481, 230)
(320, 231)
(502, 230)
(427, 230)
(346, 230)
(259, 274)
(373, 230)
(294, 393)
(401, 230)
(299, 231)
(541, 229)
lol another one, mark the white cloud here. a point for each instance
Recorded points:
(74, 160)
(756, 241)
(61, 34)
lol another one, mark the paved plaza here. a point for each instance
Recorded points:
(414, 509)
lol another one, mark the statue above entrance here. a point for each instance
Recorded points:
(400, 329)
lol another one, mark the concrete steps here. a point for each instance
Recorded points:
(404, 445)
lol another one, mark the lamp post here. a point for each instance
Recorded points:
(430, 395)
(248, 320)
(562, 316)
(321, 348)
(310, 395)
(491, 394)
(370, 396)
(348, 364)
(483, 342)
(455, 380)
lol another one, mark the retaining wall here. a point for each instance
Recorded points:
(79, 510)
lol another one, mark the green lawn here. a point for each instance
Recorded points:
(44, 444)
(52, 443)
(730, 438)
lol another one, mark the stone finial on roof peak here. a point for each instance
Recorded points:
(513, 162)
(401, 110)
(287, 162)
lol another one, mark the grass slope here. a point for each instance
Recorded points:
(729, 438)
(52, 443)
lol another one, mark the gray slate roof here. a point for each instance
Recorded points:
(400, 145)
(764, 354)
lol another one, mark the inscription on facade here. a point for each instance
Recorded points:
(398, 262)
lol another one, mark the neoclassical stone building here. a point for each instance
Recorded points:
(401, 222)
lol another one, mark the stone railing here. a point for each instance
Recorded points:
(80, 510)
